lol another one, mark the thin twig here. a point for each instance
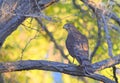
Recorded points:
(26, 27)
(23, 50)
(98, 39)
(115, 17)
(114, 74)
(116, 28)
(77, 6)
(37, 5)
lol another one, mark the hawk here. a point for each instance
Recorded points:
(77, 45)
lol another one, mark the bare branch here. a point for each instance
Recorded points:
(60, 67)
(107, 63)
(114, 17)
(114, 74)
(98, 39)
(23, 50)
(116, 28)
(107, 35)
(10, 22)
(97, 66)
(50, 66)
(77, 6)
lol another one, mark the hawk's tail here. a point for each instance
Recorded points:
(85, 62)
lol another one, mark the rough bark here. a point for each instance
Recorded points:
(60, 67)
(13, 13)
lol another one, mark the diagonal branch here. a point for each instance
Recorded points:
(98, 40)
(108, 37)
(107, 63)
(77, 6)
(114, 17)
(116, 28)
(52, 39)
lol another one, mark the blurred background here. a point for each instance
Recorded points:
(32, 42)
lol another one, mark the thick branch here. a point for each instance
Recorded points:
(60, 67)
(9, 23)
(50, 66)
(11, 18)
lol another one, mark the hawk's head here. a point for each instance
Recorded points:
(68, 26)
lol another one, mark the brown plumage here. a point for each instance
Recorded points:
(77, 45)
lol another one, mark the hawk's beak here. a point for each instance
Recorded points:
(65, 26)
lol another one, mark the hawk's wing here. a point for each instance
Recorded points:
(69, 44)
(77, 45)
(81, 48)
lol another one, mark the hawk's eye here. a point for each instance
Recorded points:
(68, 25)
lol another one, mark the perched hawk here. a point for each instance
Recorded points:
(77, 45)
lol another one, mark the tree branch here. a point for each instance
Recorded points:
(60, 67)
(94, 8)
(11, 18)
(114, 17)
(116, 28)
(98, 39)
(107, 63)
(50, 66)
